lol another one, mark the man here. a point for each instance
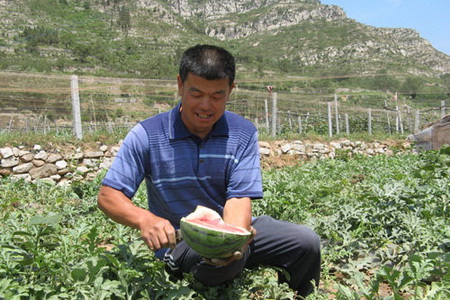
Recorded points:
(200, 154)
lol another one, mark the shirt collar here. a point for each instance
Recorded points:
(177, 130)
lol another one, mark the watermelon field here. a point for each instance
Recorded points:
(383, 220)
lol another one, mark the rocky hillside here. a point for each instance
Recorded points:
(144, 38)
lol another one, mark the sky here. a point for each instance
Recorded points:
(431, 18)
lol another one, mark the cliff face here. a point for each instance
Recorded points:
(304, 33)
(368, 45)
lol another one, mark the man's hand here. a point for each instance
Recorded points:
(157, 232)
(237, 255)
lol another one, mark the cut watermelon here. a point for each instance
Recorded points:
(206, 233)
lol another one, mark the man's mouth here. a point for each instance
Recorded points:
(204, 116)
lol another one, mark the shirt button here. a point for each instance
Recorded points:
(201, 161)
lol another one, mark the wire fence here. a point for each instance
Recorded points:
(44, 104)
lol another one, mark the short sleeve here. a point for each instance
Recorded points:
(245, 178)
(131, 163)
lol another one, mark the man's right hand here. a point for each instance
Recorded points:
(157, 232)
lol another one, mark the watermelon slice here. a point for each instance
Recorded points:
(206, 233)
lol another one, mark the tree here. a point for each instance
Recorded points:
(124, 20)
(412, 86)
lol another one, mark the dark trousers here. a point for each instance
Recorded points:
(296, 248)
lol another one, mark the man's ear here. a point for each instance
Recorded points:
(232, 86)
(180, 85)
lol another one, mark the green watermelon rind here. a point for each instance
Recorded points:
(212, 243)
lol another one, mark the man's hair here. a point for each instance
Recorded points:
(209, 62)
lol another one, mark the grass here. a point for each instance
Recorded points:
(66, 137)
(54, 139)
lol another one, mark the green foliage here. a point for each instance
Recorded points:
(383, 222)
(56, 244)
(386, 216)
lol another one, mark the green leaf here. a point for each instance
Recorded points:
(24, 233)
(49, 219)
(78, 274)
(445, 150)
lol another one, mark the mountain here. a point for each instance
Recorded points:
(145, 38)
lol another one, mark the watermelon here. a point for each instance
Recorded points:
(206, 233)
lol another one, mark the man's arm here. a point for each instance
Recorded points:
(238, 212)
(155, 231)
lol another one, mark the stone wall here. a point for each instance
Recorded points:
(55, 166)
(63, 167)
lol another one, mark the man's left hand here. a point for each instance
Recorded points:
(237, 255)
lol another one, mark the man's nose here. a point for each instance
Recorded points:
(205, 103)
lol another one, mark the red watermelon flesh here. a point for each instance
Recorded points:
(205, 232)
(218, 224)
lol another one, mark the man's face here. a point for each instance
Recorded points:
(202, 102)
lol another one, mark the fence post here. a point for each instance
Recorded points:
(330, 124)
(274, 114)
(266, 110)
(417, 121)
(442, 109)
(347, 124)
(289, 119)
(388, 122)
(300, 129)
(10, 123)
(76, 107)
(44, 128)
(400, 121)
(369, 123)
(408, 118)
(397, 119)
(337, 113)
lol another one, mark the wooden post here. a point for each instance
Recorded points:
(274, 114)
(76, 107)
(10, 123)
(330, 124)
(389, 123)
(289, 119)
(397, 118)
(266, 110)
(347, 124)
(417, 121)
(337, 113)
(400, 121)
(300, 129)
(36, 124)
(369, 123)
(408, 119)
(442, 109)
(93, 112)
(44, 128)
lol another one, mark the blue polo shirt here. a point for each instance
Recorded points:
(181, 170)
